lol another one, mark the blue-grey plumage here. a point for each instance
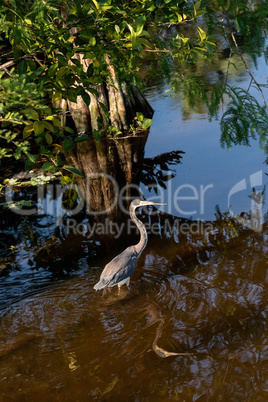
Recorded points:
(125, 264)
(119, 270)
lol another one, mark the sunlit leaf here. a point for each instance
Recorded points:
(57, 96)
(140, 21)
(32, 158)
(48, 166)
(27, 131)
(202, 34)
(146, 123)
(72, 170)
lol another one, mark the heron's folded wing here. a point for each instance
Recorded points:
(121, 267)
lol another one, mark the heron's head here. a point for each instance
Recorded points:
(139, 203)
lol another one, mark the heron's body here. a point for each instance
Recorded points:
(119, 270)
(125, 264)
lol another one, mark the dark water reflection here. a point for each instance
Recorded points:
(197, 336)
(192, 327)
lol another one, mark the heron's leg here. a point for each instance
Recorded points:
(118, 288)
(127, 282)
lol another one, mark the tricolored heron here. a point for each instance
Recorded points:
(119, 270)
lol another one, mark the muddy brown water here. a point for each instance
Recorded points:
(192, 326)
(196, 336)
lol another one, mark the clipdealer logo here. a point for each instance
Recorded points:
(49, 200)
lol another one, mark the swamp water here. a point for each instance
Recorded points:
(192, 326)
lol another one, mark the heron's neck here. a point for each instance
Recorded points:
(143, 234)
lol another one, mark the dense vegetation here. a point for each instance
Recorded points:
(70, 70)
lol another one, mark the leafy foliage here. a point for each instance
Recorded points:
(243, 119)
(247, 18)
(49, 43)
(140, 123)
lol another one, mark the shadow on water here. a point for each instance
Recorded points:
(192, 326)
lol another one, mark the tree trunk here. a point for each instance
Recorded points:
(107, 165)
(118, 158)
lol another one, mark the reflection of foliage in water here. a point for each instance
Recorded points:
(240, 28)
(156, 171)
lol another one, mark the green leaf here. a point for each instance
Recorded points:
(57, 122)
(71, 95)
(48, 166)
(72, 170)
(65, 180)
(38, 127)
(68, 129)
(32, 158)
(22, 67)
(27, 131)
(49, 138)
(88, 55)
(52, 69)
(29, 165)
(86, 98)
(139, 116)
(179, 17)
(90, 70)
(57, 96)
(92, 41)
(197, 5)
(59, 161)
(76, 62)
(93, 91)
(68, 144)
(81, 138)
(62, 60)
(48, 126)
(31, 114)
(140, 21)
(97, 135)
(32, 65)
(16, 35)
(146, 123)
(104, 108)
(202, 34)
(39, 71)
(61, 72)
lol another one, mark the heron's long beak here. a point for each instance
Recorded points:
(152, 203)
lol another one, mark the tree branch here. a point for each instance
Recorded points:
(13, 62)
